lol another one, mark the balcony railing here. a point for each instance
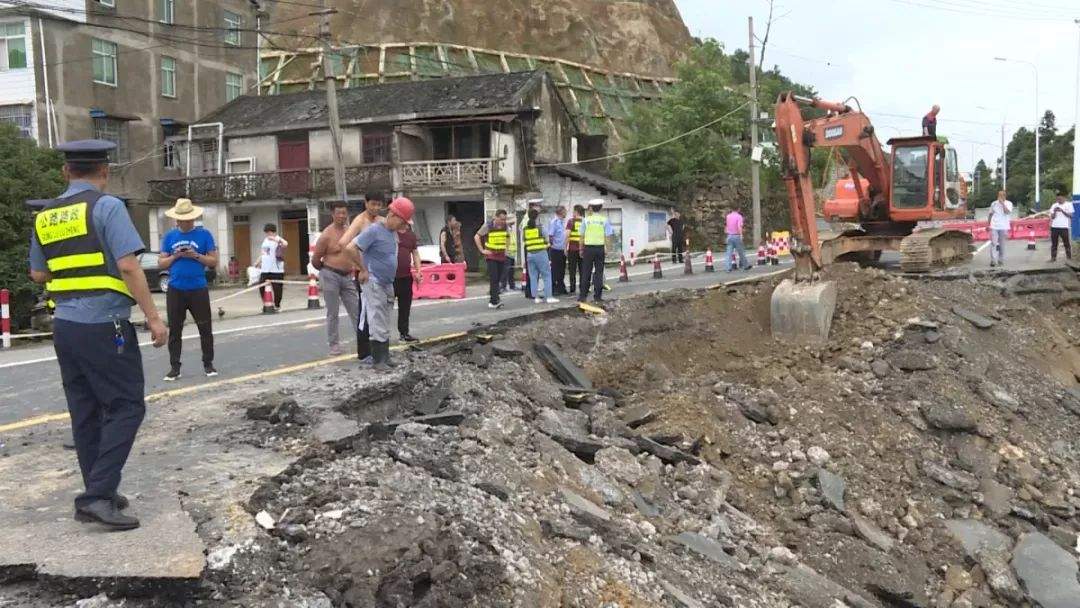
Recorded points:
(472, 172)
(298, 183)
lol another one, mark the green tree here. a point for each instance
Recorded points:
(1055, 156)
(984, 188)
(26, 172)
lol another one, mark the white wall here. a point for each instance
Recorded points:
(263, 149)
(563, 191)
(321, 148)
(19, 86)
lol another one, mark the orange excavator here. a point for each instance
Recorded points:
(918, 181)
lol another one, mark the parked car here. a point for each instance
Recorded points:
(157, 278)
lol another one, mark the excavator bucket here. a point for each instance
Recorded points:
(802, 311)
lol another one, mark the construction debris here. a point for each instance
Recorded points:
(678, 456)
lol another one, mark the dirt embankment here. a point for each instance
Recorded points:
(915, 460)
(642, 37)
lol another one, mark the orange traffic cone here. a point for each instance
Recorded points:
(657, 269)
(1031, 239)
(709, 267)
(762, 256)
(623, 277)
(268, 299)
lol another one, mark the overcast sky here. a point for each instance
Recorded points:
(899, 57)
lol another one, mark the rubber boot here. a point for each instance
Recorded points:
(380, 352)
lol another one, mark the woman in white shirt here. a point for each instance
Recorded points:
(1000, 220)
(272, 262)
(1061, 213)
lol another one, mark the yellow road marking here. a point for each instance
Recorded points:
(22, 424)
(39, 420)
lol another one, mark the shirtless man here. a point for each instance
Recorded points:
(373, 204)
(336, 274)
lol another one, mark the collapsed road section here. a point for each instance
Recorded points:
(668, 453)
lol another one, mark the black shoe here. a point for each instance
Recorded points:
(174, 374)
(380, 352)
(210, 371)
(409, 338)
(105, 513)
(121, 502)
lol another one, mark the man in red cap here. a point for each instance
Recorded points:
(374, 253)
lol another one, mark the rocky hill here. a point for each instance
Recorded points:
(639, 36)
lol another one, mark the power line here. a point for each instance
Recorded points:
(977, 13)
(650, 146)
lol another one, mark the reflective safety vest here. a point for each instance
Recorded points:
(534, 240)
(575, 232)
(73, 253)
(594, 230)
(496, 239)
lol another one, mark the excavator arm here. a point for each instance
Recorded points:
(843, 128)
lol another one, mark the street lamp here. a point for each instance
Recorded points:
(1038, 122)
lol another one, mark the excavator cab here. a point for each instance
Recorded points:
(926, 181)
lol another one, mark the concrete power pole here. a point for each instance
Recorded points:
(331, 101)
(755, 169)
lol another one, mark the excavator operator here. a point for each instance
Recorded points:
(929, 122)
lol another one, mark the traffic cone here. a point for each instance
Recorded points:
(633, 256)
(268, 299)
(623, 277)
(709, 261)
(733, 261)
(774, 259)
(688, 268)
(657, 269)
(762, 256)
(313, 292)
(1031, 239)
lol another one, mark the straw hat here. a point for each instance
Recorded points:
(184, 210)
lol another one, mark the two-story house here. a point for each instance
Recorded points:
(463, 146)
(130, 71)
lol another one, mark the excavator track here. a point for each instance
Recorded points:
(926, 249)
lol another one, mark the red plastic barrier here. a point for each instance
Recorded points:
(1023, 229)
(979, 231)
(440, 281)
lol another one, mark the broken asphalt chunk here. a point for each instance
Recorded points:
(665, 453)
(584, 509)
(832, 489)
(706, 547)
(972, 317)
(869, 532)
(1047, 571)
(564, 369)
(430, 401)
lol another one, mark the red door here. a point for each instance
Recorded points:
(293, 166)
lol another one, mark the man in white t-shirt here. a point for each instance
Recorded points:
(1000, 218)
(271, 262)
(1061, 213)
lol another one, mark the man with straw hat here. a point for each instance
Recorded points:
(186, 252)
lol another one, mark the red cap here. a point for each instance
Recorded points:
(403, 208)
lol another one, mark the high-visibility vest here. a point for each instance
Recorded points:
(496, 239)
(534, 240)
(575, 232)
(73, 253)
(594, 230)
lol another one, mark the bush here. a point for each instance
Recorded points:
(26, 172)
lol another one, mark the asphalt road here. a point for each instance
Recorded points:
(30, 379)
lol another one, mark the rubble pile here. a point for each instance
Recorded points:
(670, 453)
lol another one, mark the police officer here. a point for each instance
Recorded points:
(595, 229)
(85, 249)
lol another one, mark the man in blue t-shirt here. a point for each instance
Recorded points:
(186, 252)
(375, 255)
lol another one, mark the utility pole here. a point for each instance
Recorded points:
(331, 100)
(1076, 150)
(755, 169)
